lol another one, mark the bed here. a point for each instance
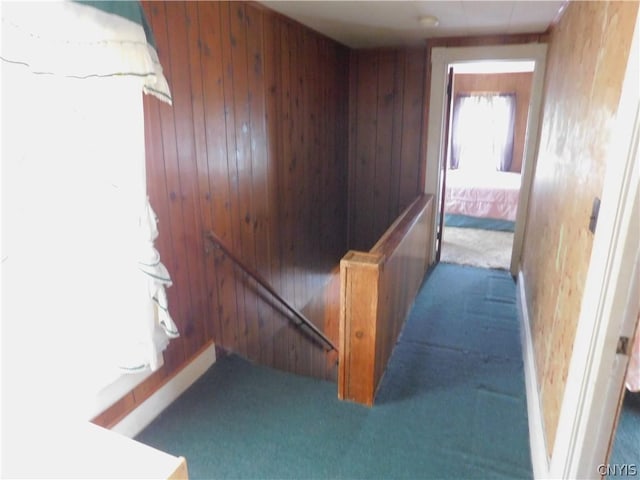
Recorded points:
(471, 196)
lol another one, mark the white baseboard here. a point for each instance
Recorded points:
(537, 440)
(147, 411)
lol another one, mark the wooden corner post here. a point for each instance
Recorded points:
(360, 274)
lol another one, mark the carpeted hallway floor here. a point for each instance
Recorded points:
(451, 404)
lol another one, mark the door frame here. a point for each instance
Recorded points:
(610, 304)
(441, 58)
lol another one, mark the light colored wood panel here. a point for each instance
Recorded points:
(586, 64)
(377, 291)
(479, 40)
(181, 472)
(358, 312)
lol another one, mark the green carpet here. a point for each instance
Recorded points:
(626, 446)
(451, 404)
(465, 221)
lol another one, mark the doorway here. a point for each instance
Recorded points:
(441, 60)
(487, 130)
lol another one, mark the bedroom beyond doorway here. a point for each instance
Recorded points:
(490, 107)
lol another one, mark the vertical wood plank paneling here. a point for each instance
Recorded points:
(241, 105)
(174, 258)
(332, 323)
(396, 136)
(287, 168)
(259, 178)
(272, 56)
(156, 189)
(305, 191)
(340, 143)
(210, 299)
(386, 115)
(225, 313)
(228, 41)
(298, 181)
(364, 171)
(269, 36)
(586, 64)
(383, 158)
(373, 305)
(412, 125)
(353, 146)
(192, 328)
(313, 171)
(253, 148)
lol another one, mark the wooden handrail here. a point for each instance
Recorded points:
(217, 242)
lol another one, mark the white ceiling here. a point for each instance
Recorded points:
(362, 24)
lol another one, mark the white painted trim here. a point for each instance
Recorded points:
(441, 58)
(577, 453)
(537, 439)
(148, 410)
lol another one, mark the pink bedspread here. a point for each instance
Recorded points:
(486, 195)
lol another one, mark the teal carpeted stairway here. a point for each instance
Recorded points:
(451, 403)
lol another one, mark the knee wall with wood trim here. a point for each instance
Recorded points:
(378, 289)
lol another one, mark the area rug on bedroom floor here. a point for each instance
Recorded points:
(478, 248)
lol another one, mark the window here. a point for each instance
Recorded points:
(483, 130)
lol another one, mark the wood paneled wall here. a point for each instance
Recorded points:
(386, 132)
(255, 149)
(585, 67)
(517, 83)
(388, 113)
(377, 291)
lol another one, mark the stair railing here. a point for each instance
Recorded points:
(218, 243)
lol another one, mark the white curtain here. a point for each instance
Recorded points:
(483, 129)
(82, 284)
